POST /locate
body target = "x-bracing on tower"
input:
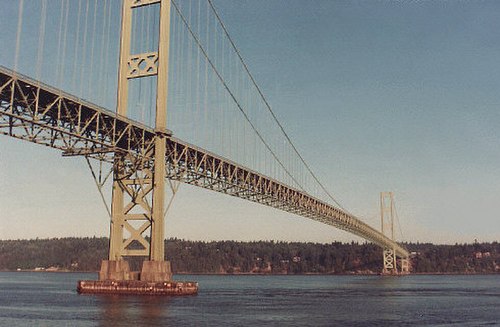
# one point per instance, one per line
(138, 200)
(138, 190)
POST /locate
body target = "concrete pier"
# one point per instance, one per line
(116, 270)
(156, 271)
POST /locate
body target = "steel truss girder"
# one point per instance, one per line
(195, 166)
(41, 114)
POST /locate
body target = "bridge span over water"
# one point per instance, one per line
(145, 156)
(38, 113)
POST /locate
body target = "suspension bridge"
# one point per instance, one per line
(222, 134)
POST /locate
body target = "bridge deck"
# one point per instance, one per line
(38, 113)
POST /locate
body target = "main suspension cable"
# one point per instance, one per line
(269, 107)
(232, 95)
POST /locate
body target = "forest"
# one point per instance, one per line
(259, 257)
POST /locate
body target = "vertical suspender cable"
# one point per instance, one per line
(106, 57)
(189, 72)
(101, 55)
(41, 40)
(59, 40)
(229, 116)
(229, 111)
(177, 76)
(397, 219)
(222, 102)
(18, 34)
(64, 39)
(91, 74)
(197, 81)
(238, 125)
(255, 152)
(215, 46)
(207, 133)
(77, 40)
(172, 69)
(181, 72)
(245, 141)
(84, 49)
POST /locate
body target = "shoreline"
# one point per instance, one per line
(266, 274)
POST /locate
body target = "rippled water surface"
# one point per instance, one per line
(49, 299)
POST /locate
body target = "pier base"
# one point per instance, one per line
(116, 270)
(155, 278)
(136, 287)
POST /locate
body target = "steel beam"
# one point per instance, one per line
(38, 113)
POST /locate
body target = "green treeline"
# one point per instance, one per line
(85, 254)
(272, 257)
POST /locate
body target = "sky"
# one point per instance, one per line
(398, 96)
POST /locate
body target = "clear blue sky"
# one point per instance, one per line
(377, 95)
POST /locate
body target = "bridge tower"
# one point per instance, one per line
(137, 208)
(387, 225)
(387, 215)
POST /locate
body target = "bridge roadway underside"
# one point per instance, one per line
(32, 111)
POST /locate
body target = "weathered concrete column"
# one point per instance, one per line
(156, 271)
(115, 270)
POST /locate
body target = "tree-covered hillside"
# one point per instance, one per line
(85, 254)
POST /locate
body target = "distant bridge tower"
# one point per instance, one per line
(387, 225)
(137, 208)
(387, 215)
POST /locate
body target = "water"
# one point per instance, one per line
(49, 299)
